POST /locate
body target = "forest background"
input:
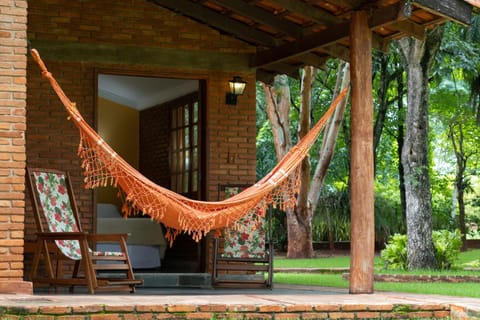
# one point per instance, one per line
(453, 133)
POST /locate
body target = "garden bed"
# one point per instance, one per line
(419, 278)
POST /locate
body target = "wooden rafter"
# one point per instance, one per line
(306, 10)
(327, 37)
(219, 21)
(410, 28)
(296, 32)
(262, 16)
(457, 10)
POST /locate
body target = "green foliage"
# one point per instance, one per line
(454, 99)
(394, 256)
(336, 204)
(447, 246)
(388, 212)
(340, 228)
(279, 230)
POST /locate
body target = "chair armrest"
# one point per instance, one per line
(62, 235)
(107, 237)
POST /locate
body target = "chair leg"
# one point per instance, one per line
(36, 260)
(76, 268)
(90, 275)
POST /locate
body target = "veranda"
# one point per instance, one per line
(208, 42)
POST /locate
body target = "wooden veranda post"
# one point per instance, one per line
(361, 166)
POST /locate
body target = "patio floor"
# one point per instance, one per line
(283, 302)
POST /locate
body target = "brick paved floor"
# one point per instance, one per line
(295, 302)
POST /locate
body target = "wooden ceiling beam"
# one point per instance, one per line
(350, 4)
(380, 43)
(218, 21)
(457, 10)
(265, 76)
(263, 17)
(425, 26)
(311, 59)
(283, 68)
(315, 14)
(410, 28)
(378, 18)
(305, 45)
(337, 51)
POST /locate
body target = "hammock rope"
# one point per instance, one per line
(102, 166)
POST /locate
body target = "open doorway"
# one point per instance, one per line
(155, 124)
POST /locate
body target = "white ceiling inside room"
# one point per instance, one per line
(142, 92)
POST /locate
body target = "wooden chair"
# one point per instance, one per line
(60, 238)
(244, 257)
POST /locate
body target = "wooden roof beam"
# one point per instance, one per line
(311, 59)
(338, 51)
(457, 10)
(378, 18)
(305, 45)
(283, 68)
(306, 10)
(218, 21)
(263, 17)
(265, 76)
(410, 28)
(350, 4)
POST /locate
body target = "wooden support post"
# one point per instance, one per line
(361, 170)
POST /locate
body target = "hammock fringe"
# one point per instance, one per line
(103, 167)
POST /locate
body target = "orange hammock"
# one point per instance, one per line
(102, 167)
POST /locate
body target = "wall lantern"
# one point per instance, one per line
(237, 85)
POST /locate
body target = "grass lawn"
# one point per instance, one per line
(465, 289)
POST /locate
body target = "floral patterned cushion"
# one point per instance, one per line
(55, 201)
(248, 239)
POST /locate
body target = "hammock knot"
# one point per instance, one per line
(46, 74)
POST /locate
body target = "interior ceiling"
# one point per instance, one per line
(289, 34)
(142, 92)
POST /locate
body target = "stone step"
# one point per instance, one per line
(174, 280)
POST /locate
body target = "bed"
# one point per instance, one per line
(146, 242)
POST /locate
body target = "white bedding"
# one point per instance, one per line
(146, 243)
(141, 256)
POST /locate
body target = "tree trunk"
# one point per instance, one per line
(325, 154)
(385, 79)
(418, 57)
(299, 221)
(278, 111)
(400, 142)
(460, 183)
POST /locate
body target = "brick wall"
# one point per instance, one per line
(154, 144)
(231, 136)
(52, 141)
(13, 16)
(267, 311)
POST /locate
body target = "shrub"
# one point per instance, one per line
(394, 256)
(447, 246)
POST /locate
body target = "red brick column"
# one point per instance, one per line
(13, 92)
